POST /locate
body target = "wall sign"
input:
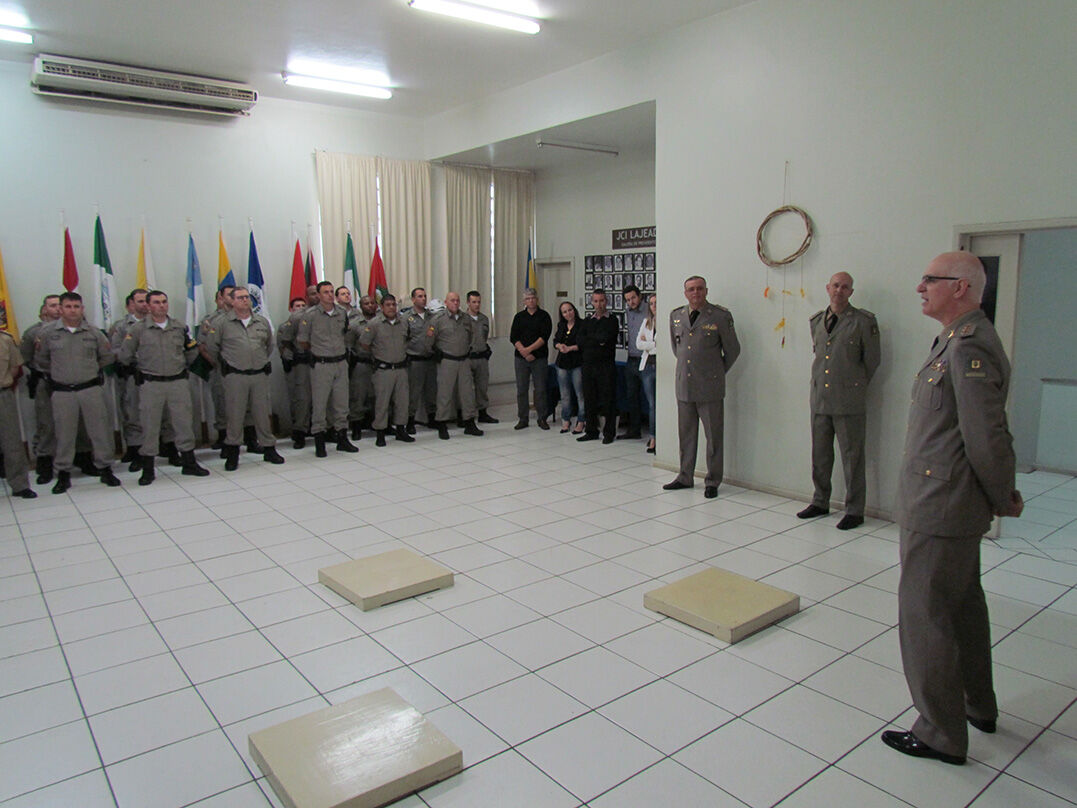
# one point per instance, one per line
(630, 238)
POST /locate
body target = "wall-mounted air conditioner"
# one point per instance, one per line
(63, 77)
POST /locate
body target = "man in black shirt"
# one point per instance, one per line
(530, 334)
(598, 344)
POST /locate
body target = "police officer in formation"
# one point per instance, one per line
(422, 370)
(449, 337)
(73, 355)
(240, 343)
(296, 366)
(15, 466)
(216, 385)
(126, 389)
(845, 341)
(361, 373)
(479, 356)
(44, 442)
(322, 330)
(386, 337)
(158, 351)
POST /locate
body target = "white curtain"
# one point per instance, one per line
(347, 200)
(467, 202)
(514, 213)
(406, 224)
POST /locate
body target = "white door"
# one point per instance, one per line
(557, 283)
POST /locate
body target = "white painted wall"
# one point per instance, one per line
(898, 120)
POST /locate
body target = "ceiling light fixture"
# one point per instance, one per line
(589, 147)
(473, 13)
(347, 87)
(11, 35)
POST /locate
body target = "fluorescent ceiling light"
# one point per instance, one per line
(11, 35)
(473, 13)
(347, 87)
(339, 72)
(9, 18)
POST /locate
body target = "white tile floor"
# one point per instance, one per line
(144, 632)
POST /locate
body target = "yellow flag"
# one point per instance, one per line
(224, 267)
(7, 308)
(145, 277)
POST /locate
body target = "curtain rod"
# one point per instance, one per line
(477, 165)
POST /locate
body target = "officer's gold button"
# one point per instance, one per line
(828, 356)
(826, 371)
(826, 385)
(927, 472)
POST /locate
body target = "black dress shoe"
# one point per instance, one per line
(811, 512)
(28, 493)
(607, 439)
(542, 423)
(630, 436)
(63, 482)
(108, 478)
(909, 744)
(271, 455)
(676, 485)
(521, 425)
(848, 522)
(486, 418)
(710, 492)
(586, 436)
(988, 725)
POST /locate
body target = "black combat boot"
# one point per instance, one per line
(108, 478)
(44, 469)
(250, 439)
(411, 426)
(191, 467)
(443, 431)
(135, 459)
(381, 438)
(471, 429)
(148, 474)
(486, 418)
(231, 457)
(343, 444)
(271, 455)
(170, 451)
(357, 430)
(319, 445)
(402, 435)
(63, 482)
(299, 438)
(84, 463)
(219, 443)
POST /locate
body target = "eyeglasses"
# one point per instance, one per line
(932, 278)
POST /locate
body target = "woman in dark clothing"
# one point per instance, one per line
(569, 370)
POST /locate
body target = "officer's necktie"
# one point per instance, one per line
(692, 317)
(831, 320)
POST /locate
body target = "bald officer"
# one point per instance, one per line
(450, 335)
(845, 341)
(706, 347)
(958, 471)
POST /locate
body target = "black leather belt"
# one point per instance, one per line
(141, 377)
(227, 370)
(413, 358)
(328, 360)
(480, 354)
(455, 358)
(56, 387)
(391, 365)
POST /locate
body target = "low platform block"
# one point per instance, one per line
(722, 603)
(363, 753)
(384, 578)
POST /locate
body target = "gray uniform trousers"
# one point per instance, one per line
(850, 431)
(480, 378)
(44, 431)
(422, 387)
(93, 407)
(247, 393)
(361, 391)
(390, 385)
(299, 395)
(130, 412)
(712, 414)
(15, 464)
(455, 382)
(945, 637)
(154, 400)
(216, 391)
(328, 396)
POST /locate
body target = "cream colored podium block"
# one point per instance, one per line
(362, 753)
(722, 603)
(379, 579)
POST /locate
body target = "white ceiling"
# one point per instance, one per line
(433, 63)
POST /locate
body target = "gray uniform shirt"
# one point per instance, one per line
(28, 343)
(157, 350)
(417, 325)
(959, 466)
(386, 340)
(241, 347)
(72, 357)
(845, 360)
(480, 332)
(325, 331)
(119, 330)
(705, 351)
(356, 325)
(450, 334)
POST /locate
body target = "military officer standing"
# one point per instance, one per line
(479, 356)
(706, 346)
(386, 338)
(323, 330)
(958, 471)
(240, 343)
(160, 349)
(845, 341)
(361, 372)
(44, 444)
(450, 335)
(72, 354)
(422, 370)
(216, 384)
(15, 466)
(296, 366)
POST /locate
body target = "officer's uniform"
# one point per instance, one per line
(451, 336)
(160, 355)
(705, 351)
(361, 375)
(73, 361)
(242, 353)
(958, 469)
(297, 366)
(422, 369)
(15, 464)
(326, 334)
(479, 359)
(44, 443)
(216, 382)
(387, 342)
(126, 389)
(846, 357)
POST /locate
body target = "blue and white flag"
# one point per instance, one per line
(196, 300)
(256, 283)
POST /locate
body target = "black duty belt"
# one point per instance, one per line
(56, 387)
(480, 354)
(414, 358)
(227, 370)
(328, 360)
(363, 360)
(390, 365)
(141, 377)
(460, 358)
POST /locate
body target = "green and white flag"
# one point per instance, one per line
(351, 271)
(103, 306)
